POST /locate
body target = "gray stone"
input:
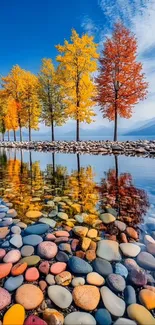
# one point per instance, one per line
(109, 250)
(60, 296)
(16, 241)
(12, 283)
(27, 250)
(79, 318)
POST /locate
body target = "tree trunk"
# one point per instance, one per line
(116, 117)
(2, 136)
(30, 136)
(77, 130)
(116, 184)
(20, 130)
(8, 135)
(52, 129)
(78, 162)
(29, 126)
(14, 133)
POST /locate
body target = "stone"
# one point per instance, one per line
(80, 231)
(53, 317)
(120, 225)
(61, 233)
(29, 296)
(102, 316)
(5, 298)
(5, 244)
(44, 267)
(58, 267)
(12, 213)
(131, 264)
(2, 253)
(4, 231)
(65, 248)
(62, 257)
(146, 261)
(79, 218)
(50, 237)
(130, 295)
(109, 250)
(147, 298)
(102, 267)
(80, 318)
(86, 297)
(121, 270)
(140, 314)
(80, 254)
(78, 281)
(48, 221)
(31, 274)
(151, 248)
(16, 241)
(60, 296)
(78, 265)
(115, 305)
(116, 282)
(19, 268)
(129, 249)
(131, 232)
(124, 321)
(62, 215)
(42, 285)
(16, 230)
(32, 240)
(33, 214)
(107, 218)
(5, 269)
(37, 229)
(90, 255)
(148, 239)
(34, 320)
(21, 225)
(138, 277)
(123, 238)
(92, 233)
(12, 283)
(50, 279)
(59, 240)
(27, 250)
(12, 256)
(14, 315)
(30, 260)
(111, 210)
(85, 243)
(64, 278)
(95, 279)
(47, 249)
(6, 222)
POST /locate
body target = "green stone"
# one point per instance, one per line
(31, 260)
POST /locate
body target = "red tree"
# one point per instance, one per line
(121, 83)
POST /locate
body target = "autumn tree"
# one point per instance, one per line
(77, 62)
(2, 113)
(11, 117)
(121, 83)
(50, 95)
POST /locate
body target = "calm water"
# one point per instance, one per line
(127, 183)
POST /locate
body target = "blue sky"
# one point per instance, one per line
(31, 29)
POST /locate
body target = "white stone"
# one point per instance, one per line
(129, 249)
(109, 250)
(79, 318)
(60, 296)
(115, 305)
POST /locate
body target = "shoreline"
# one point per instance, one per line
(139, 147)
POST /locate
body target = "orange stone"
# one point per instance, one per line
(147, 298)
(80, 254)
(4, 231)
(19, 268)
(32, 274)
(131, 232)
(90, 255)
(123, 238)
(86, 297)
(5, 269)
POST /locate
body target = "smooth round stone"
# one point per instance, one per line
(62, 215)
(62, 257)
(6, 222)
(16, 230)
(92, 233)
(44, 267)
(3, 208)
(86, 297)
(42, 285)
(48, 221)
(108, 250)
(130, 295)
(5, 298)
(60, 296)
(27, 250)
(33, 214)
(78, 281)
(95, 279)
(12, 256)
(29, 296)
(80, 318)
(114, 304)
(12, 213)
(34, 320)
(12, 283)
(4, 231)
(78, 265)
(151, 248)
(148, 239)
(129, 249)
(16, 241)
(2, 253)
(146, 261)
(131, 264)
(116, 282)
(30, 260)
(65, 248)
(50, 279)
(131, 232)
(121, 270)
(47, 249)
(31, 274)
(79, 218)
(50, 203)
(147, 298)
(38, 229)
(21, 225)
(120, 225)
(58, 267)
(5, 269)
(18, 268)
(102, 316)
(32, 240)
(140, 314)
(107, 218)
(14, 315)
(124, 321)
(102, 267)
(50, 237)
(138, 277)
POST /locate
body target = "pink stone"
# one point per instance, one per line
(5, 298)
(44, 267)
(31, 274)
(50, 237)
(58, 267)
(61, 240)
(74, 244)
(47, 249)
(34, 320)
(42, 285)
(12, 256)
(61, 233)
(2, 253)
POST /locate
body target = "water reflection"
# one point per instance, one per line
(26, 183)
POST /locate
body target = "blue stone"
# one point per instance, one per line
(32, 240)
(121, 270)
(103, 317)
(102, 267)
(5, 244)
(78, 265)
(12, 283)
(62, 257)
(130, 295)
(37, 229)
(3, 208)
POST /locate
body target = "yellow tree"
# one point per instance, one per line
(2, 113)
(30, 101)
(13, 86)
(11, 117)
(50, 95)
(77, 63)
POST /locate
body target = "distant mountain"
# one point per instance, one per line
(147, 129)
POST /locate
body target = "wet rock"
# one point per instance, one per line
(151, 248)
(102, 267)
(131, 232)
(16, 230)
(146, 261)
(65, 248)
(78, 265)
(62, 215)
(120, 225)
(61, 233)
(90, 255)
(48, 221)
(60, 296)
(92, 233)
(50, 279)
(130, 295)
(109, 250)
(114, 304)
(2, 253)
(62, 257)
(63, 278)
(102, 316)
(42, 285)
(131, 264)
(44, 267)
(37, 229)
(4, 231)
(124, 321)
(85, 243)
(86, 297)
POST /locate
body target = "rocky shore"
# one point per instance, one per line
(141, 147)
